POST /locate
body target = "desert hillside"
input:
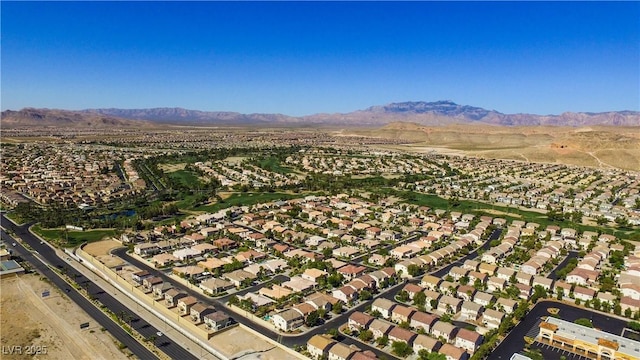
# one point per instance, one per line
(595, 146)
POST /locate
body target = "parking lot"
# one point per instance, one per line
(514, 342)
(550, 352)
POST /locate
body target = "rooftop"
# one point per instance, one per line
(573, 331)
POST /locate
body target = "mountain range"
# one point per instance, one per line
(425, 113)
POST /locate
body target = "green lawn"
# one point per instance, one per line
(273, 164)
(186, 178)
(480, 208)
(242, 199)
(186, 202)
(74, 237)
(15, 217)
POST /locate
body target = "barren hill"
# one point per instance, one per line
(181, 116)
(438, 113)
(64, 118)
(595, 146)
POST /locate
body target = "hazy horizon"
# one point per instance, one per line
(300, 58)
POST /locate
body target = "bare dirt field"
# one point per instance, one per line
(51, 324)
(233, 343)
(224, 194)
(169, 168)
(235, 160)
(500, 213)
(594, 146)
(100, 250)
(126, 272)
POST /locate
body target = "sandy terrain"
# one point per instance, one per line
(52, 322)
(595, 146)
(235, 160)
(233, 343)
(224, 194)
(100, 250)
(500, 213)
(126, 273)
(169, 168)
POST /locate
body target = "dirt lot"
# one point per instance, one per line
(100, 250)
(594, 146)
(52, 322)
(500, 213)
(169, 168)
(224, 194)
(126, 272)
(233, 343)
(235, 160)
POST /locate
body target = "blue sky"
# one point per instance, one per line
(301, 58)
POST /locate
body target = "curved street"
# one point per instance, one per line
(285, 339)
(169, 347)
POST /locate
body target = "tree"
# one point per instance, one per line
(335, 279)
(420, 299)
(337, 307)
(365, 295)
(322, 312)
(313, 319)
(401, 348)
(622, 221)
(433, 303)
(584, 322)
(383, 341)
(628, 312)
(365, 335)
(634, 325)
(576, 217)
(413, 269)
(538, 292)
(426, 355)
(333, 332)
(445, 318)
(403, 296)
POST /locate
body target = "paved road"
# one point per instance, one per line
(136, 348)
(278, 278)
(167, 346)
(472, 255)
(287, 340)
(514, 342)
(122, 253)
(570, 255)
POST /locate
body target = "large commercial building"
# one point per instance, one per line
(588, 342)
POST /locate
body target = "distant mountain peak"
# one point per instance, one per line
(442, 112)
(442, 108)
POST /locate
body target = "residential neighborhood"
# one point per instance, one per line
(399, 272)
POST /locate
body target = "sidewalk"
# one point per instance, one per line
(167, 330)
